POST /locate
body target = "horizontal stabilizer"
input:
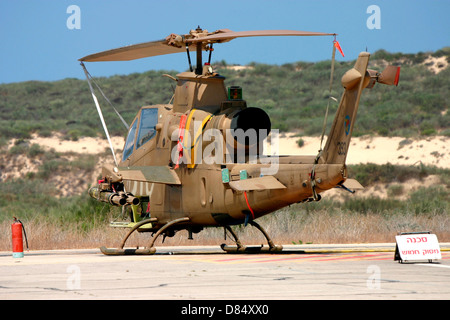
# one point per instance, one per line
(353, 184)
(261, 183)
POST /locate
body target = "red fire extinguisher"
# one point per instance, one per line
(17, 239)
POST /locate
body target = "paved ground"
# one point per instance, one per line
(206, 273)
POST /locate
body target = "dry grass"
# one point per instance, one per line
(349, 227)
(284, 226)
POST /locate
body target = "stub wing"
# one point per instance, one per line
(152, 174)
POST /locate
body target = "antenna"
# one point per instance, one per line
(99, 113)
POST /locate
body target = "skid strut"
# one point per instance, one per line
(147, 250)
(239, 248)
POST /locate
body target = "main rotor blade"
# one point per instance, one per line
(175, 43)
(135, 51)
(226, 35)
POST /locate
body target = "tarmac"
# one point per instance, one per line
(189, 274)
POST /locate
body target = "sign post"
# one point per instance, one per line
(414, 246)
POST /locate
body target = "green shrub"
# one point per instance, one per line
(35, 150)
(294, 95)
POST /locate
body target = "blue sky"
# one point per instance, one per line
(36, 43)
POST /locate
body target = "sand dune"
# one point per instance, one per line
(86, 145)
(433, 151)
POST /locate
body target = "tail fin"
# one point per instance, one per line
(354, 81)
(338, 141)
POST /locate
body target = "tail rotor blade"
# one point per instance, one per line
(390, 76)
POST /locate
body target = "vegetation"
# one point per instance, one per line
(79, 221)
(295, 96)
(368, 174)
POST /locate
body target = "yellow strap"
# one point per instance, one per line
(192, 147)
(197, 136)
(188, 123)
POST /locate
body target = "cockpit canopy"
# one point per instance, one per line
(141, 131)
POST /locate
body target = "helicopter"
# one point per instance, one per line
(199, 161)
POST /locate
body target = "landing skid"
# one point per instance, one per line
(251, 249)
(124, 252)
(145, 251)
(239, 248)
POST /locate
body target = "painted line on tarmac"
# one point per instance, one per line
(300, 258)
(274, 258)
(433, 265)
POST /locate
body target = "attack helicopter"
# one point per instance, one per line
(200, 162)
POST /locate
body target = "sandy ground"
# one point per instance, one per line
(85, 145)
(436, 65)
(433, 151)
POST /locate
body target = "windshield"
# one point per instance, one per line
(149, 119)
(128, 149)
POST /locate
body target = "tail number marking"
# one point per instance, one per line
(342, 148)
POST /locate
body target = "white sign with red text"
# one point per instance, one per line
(418, 246)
